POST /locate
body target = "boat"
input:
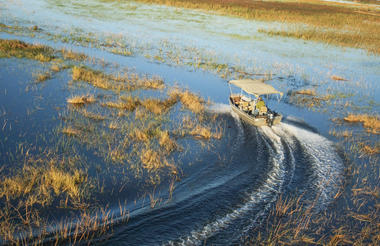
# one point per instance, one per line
(254, 111)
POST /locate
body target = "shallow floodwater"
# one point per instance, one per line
(223, 192)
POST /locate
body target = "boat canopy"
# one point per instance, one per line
(255, 87)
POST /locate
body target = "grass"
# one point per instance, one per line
(152, 160)
(335, 77)
(93, 116)
(307, 92)
(41, 77)
(70, 55)
(372, 123)
(188, 99)
(167, 142)
(369, 150)
(70, 131)
(130, 106)
(309, 98)
(345, 133)
(338, 25)
(19, 49)
(158, 106)
(141, 145)
(81, 100)
(125, 82)
(41, 182)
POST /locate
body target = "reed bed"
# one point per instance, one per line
(188, 99)
(124, 82)
(19, 49)
(309, 98)
(81, 100)
(41, 77)
(74, 56)
(371, 123)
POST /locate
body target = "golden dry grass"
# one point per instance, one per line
(140, 135)
(158, 106)
(201, 132)
(126, 82)
(113, 125)
(19, 49)
(96, 78)
(41, 77)
(154, 83)
(345, 133)
(70, 131)
(188, 99)
(335, 77)
(55, 68)
(81, 100)
(307, 92)
(339, 25)
(37, 182)
(92, 116)
(152, 160)
(70, 55)
(369, 150)
(372, 123)
(120, 105)
(167, 142)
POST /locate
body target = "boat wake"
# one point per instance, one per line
(284, 143)
(220, 204)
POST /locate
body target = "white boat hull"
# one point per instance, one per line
(256, 120)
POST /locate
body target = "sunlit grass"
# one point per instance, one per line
(188, 99)
(70, 131)
(81, 100)
(41, 77)
(307, 92)
(19, 49)
(339, 25)
(70, 55)
(124, 82)
(372, 123)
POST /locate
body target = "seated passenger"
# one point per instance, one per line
(260, 103)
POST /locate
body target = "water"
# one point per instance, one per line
(226, 189)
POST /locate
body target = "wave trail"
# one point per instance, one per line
(267, 193)
(326, 164)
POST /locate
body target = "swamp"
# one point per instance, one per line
(115, 127)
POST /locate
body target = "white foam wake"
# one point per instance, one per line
(273, 184)
(326, 163)
(220, 108)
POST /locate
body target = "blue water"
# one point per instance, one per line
(227, 189)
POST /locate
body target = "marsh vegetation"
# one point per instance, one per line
(310, 20)
(88, 142)
(133, 136)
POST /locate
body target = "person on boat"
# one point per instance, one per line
(261, 109)
(260, 103)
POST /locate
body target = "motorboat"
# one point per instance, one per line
(254, 110)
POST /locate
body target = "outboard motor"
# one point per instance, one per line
(270, 119)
